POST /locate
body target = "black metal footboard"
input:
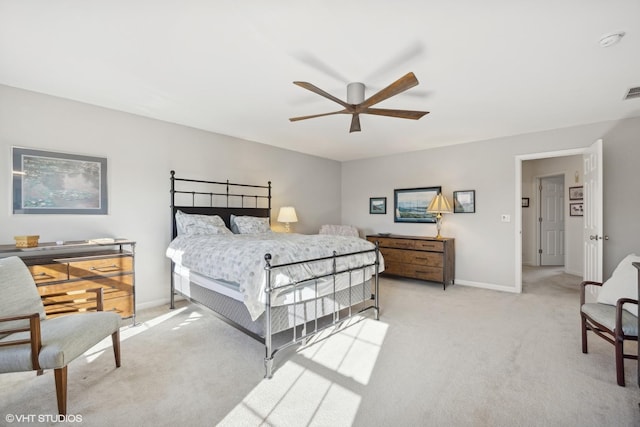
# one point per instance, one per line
(319, 321)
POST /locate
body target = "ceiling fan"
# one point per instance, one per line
(356, 104)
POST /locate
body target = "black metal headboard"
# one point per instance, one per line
(218, 198)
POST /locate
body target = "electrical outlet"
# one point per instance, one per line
(505, 218)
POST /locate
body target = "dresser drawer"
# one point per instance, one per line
(413, 257)
(100, 267)
(123, 283)
(44, 273)
(432, 274)
(79, 300)
(420, 245)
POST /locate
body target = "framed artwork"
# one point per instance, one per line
(464, 201)
(575, 193)
(410, 204)
(576, 209)
(46, 182)
(525, 202)
(377, 205)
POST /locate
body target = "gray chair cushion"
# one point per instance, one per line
(605, 314)
(19, 292)
(63, 339)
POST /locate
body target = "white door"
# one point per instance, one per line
(551, 219)
(593, 234)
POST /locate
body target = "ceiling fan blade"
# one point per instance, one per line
(402, 114)
(320, 92)
(405, 82)
(295, 119)
(355, 123)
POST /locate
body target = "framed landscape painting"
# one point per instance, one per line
(410, 204)
(377, 205)
(46, 182)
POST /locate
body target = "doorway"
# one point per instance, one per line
(528, 238)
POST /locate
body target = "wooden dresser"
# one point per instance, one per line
(64, 272)
(418, 257)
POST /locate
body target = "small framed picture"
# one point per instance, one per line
(525, 202)
(377, 205)
(464, 201)
(575, 193)
(576, 209)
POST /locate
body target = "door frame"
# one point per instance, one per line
(518, 200)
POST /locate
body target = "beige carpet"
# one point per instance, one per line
(460, 357)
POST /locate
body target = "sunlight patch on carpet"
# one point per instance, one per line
(301, 395)
(127, 332)
(352, 352)
(296, 396)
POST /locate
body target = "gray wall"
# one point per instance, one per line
(140, 154)
(485, 246)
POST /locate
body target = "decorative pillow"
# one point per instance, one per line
(252, 224)
(623, 283)
(200, 224)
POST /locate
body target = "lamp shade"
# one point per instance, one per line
(287, 214)
(439, 204)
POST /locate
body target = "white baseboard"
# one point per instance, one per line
(489, 286)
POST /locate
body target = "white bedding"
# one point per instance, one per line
(239, 258)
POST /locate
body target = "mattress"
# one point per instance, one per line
(302, 291)
(240, 258)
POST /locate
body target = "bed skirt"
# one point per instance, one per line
(284, 317)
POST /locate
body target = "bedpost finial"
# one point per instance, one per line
(173, 173)
(267, 258)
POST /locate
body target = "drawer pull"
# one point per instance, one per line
(109, 267)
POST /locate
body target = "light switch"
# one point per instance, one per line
(505, 218)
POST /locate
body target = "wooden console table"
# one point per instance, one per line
(418, 257)
(64, 272)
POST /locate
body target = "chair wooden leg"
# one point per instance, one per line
(61, 389)
(584, 334)
(115, 338)
(620, 360)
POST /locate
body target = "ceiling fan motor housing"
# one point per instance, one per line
(355, 93)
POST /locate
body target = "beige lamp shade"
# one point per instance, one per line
(439, 204)
(287, 215)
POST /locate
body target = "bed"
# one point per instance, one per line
(279, 288)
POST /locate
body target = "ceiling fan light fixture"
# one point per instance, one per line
(611, 38)
(355, 93)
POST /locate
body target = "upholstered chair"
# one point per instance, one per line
(30, 341)
(613, 316)
(339, 230)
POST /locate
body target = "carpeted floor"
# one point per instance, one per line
(460, 357)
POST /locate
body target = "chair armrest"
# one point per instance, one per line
(35, 338)
(619, 307)
(583, 286)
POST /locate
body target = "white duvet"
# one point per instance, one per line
(240, 258)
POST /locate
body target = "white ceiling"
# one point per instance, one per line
(486, 69)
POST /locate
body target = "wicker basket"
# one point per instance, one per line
(26, 241)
